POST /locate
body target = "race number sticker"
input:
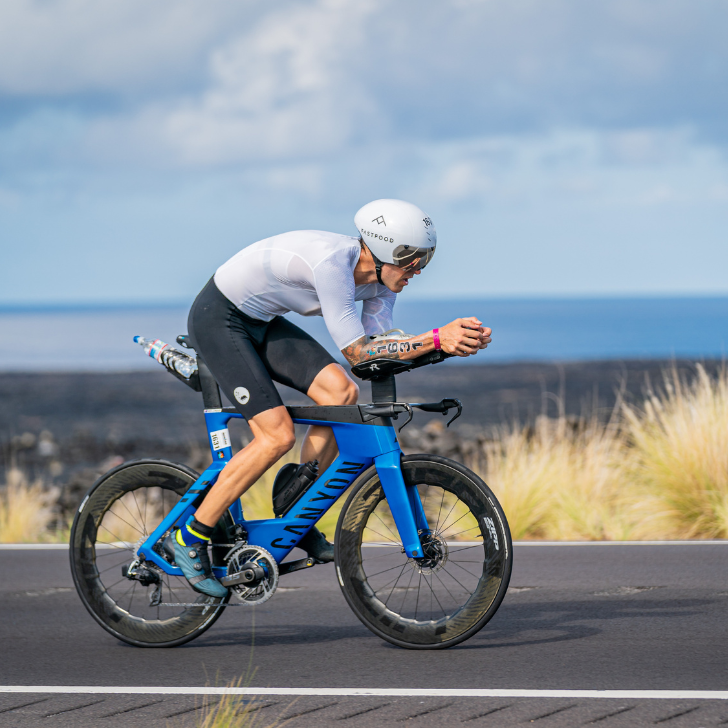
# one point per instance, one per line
(220, 439)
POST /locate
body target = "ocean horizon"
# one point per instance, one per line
(98, 337)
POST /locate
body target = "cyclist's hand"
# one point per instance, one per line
(485, 339)
(464, 336)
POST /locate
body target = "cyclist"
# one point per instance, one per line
(236, 325)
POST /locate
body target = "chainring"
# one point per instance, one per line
(237, 559)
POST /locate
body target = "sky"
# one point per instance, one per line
(562, 148)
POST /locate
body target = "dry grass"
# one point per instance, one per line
(658, 471)
(25, 510)
(679, 457)
(655, 472)
(230, 711)
(557, 481)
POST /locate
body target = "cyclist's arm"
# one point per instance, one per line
(376, 313)
(462, 337)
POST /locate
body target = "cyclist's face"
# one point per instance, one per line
(396, 278)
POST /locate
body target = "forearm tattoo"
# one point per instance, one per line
(364, 349)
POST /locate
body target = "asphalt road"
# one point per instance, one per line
(577, 617)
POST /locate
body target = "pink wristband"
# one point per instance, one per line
(436, 338)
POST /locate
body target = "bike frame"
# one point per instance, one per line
(361, 444)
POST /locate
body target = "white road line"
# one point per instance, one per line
(376, 692)
(61, 546)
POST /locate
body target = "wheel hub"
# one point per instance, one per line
(435, 553)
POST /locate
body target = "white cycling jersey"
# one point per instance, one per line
(312, 273)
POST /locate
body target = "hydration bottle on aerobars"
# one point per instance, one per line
(168, 356)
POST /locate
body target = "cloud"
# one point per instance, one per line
(134, 130)
(236, 83)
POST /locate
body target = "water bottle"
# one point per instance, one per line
(168, 356)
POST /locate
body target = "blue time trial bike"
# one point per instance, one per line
(423, 552)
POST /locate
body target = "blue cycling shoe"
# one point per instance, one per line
(195, 564)
(314, 543)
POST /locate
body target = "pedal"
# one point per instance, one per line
(290, 566)
(248, 575)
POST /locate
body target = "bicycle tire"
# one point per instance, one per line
(373, 602)
(96, 519)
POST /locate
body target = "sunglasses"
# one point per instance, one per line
(409, 258)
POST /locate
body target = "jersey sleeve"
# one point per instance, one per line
(334, 281)
(376, 315)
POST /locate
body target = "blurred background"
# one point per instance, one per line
(572, 156)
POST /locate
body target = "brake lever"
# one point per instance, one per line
(409, 419)
(459, 405)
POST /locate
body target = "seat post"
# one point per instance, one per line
(384, 389)
(210, 390)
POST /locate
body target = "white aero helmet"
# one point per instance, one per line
(397, 232)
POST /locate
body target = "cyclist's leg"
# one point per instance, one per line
(297, 360)
(227, 341)
(230, 344)
(332, 386)
(273, 437)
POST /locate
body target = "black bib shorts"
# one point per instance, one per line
(246, 355)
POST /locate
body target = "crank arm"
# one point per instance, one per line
(290, 566)
(248, 575)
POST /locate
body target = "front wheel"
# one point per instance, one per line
(120, 512)
(446, 597)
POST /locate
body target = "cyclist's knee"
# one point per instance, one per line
(333, 386)
(342, 391)
(350, 393)
(273, 429)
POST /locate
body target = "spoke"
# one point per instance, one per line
(452, 535)
(409, 584)
(452, 561)
(385, 545)
(432, 592)
(371, 576)
(111, 586)
(449, 593)
(452, 577)
(131, 515)
(131, 598)
(465, 548)
(120, 540)
(115, 552)
(427, 495)
(113, 566)
(439, 513)
(389, 540)
(374, 513)
(417, 603)
(460, 519)
(444, 520)
(123, 594)
(384, 586)
(131, 525)
(395, 584)
(141, 517)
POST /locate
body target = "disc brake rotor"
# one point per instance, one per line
(435, 552)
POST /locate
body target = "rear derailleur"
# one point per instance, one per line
(146, 575)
